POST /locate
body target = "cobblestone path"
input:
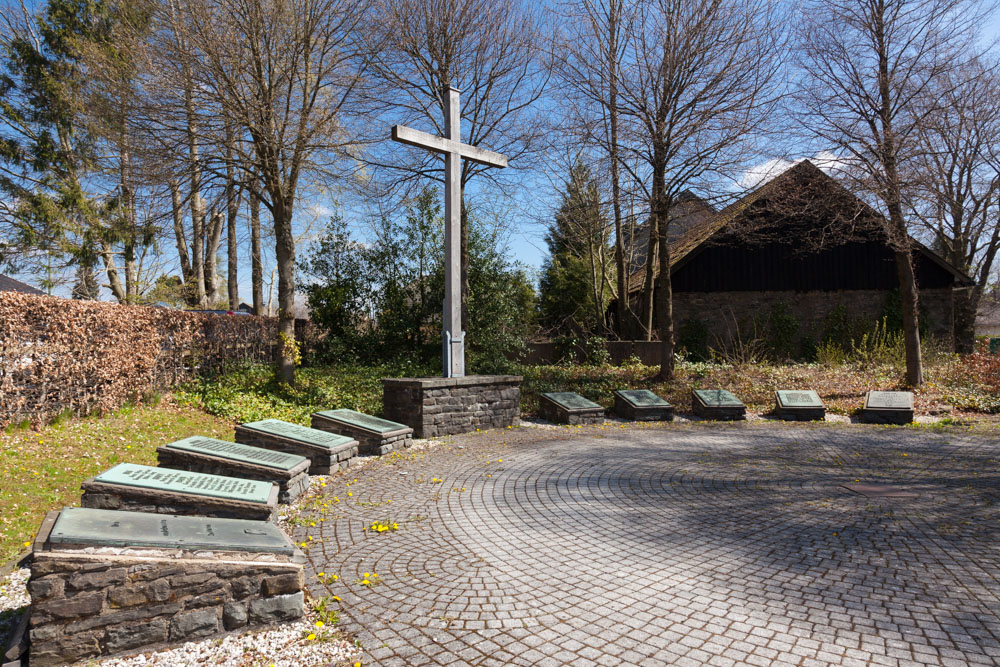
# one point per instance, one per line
(670, 545)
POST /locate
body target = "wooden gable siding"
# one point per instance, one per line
(779, 267)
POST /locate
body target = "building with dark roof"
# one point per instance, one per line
(8, 284)
(800, 245)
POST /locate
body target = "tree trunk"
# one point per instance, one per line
(648, 283)
(197, 207)
(114, 282)
(256, 262)
(623, 309)
(213, 237)
(232, 211)
(664, 292)
(908, 297)
(182, 253)
(285, 256)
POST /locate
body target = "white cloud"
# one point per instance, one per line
(757, 175)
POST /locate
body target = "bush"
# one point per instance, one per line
(692, 337)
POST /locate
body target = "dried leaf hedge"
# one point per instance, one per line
(85, 356)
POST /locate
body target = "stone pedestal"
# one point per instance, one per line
(642, 405)
(717, 404)
(566, 407)
(90, 600)
(888, 407)
(798, 405)
(375, 436)
(233, 459)
(138, 488)
(445, 406)
(328, 452)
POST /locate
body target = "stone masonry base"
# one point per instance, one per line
(88, 602)
(445, 406)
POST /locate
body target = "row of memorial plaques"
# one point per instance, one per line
(793, 405)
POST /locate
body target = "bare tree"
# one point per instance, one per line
(699, 83)
(866, 65)
(282, 73)
(490, 50)
(958, 180)
(588, 58)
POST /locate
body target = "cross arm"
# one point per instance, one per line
(411, 137)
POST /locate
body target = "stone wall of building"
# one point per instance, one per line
(725, 313)
(443, 406)
(85, 605)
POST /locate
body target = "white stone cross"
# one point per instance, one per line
(454, 150)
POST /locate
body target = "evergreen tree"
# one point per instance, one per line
(575, 286)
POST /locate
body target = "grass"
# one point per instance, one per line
(42, 469)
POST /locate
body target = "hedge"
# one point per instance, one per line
(59, 355)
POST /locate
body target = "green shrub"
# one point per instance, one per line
(692, 337)
(783, 328)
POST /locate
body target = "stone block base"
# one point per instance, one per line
(626, 410)
(898, 417)
(324, 460)
(91, 602)
(372, 443)
(557, 414)
(444, 406)
(102, 496)
(290, 483)
(719, 414)
(800, 414)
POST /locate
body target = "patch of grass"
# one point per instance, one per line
(252, 392)
(42, 469)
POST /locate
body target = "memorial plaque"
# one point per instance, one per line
(642, 398)
(363, 421)
(113, 528)
(718, 398)
(571, 401)
(192, 483)
(889, 400)
(238, 452)
(304, 434)
(799, 399)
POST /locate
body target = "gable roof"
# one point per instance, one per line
(696, 237)
(8, 284)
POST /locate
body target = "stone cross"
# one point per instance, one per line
(454, 150)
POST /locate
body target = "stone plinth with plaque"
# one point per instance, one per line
(328, 452)
(888, 407)
(139, 488)
(107, 582)
(232, 459)
(567, 407)
(798, 405)
(445, 406)
(642, 405)
(717, 404)
(376, 436)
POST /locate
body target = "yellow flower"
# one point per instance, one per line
(27, 544)
(321, 574)
(350, 493)
(335, 577)
(365, 582)
(357, 664)
(319, 624)
(336, 598)
(310, 538)
(499, 460)
(311, 636)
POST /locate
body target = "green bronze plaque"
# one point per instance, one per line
(889, 400)
(181, 481)
(718, 398)
(799, 399)
(113, 528)
(361, 420)
(643, 398)
(310, 436)
(571, 401)
(235, 451)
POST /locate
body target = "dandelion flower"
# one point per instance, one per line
(311, 636)
(320, 624)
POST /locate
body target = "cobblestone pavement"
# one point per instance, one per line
(670, 544)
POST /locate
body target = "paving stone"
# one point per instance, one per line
(673, 544)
